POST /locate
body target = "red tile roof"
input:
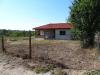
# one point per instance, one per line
(55, 26)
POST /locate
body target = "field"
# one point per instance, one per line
(62, 53)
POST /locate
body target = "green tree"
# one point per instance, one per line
(85, 16)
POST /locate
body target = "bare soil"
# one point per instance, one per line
(62, 53)
(14, 66)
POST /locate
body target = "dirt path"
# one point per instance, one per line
(14, 66)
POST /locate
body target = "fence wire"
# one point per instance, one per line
(59, 52)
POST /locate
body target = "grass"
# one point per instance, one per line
(40, 69)
(53, 42)
(50, 67)
(58, 71)
(43, 69)
(94, 72)
(40, 42)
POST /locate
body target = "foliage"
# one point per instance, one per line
(95, 72)
(85, 16)
(15, 33)
(75, 34)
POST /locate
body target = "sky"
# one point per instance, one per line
(27, 14)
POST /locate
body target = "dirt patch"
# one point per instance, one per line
(10, 65)
(58, 52)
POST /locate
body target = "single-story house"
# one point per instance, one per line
(54, 31)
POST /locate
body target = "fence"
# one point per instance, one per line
(40, 50)
(27, 47)
(59, 52)
(9, 44)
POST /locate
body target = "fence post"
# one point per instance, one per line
(98, 40)
(30, 49)
(3, 46)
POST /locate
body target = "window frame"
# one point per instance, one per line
(62, 32)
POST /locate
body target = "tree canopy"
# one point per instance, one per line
(85, 16)
(15, 33)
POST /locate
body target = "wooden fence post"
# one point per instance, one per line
(3, 46)
(30, 48)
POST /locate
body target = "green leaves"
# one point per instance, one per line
(85, 16)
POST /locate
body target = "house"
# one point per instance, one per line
(54, 31)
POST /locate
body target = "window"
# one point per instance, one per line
(62, 32)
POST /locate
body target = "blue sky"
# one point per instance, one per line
(27, 14)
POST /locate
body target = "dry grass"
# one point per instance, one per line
(63, 52)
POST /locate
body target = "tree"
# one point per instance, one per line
(75, 34)
(85, 16)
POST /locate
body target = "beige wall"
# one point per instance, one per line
(50, 33)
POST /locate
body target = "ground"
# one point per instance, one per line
(17, 66)
(14, 66)
(62, 53)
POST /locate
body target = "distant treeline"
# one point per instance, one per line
(15, 33)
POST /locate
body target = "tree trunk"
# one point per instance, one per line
(87, 40)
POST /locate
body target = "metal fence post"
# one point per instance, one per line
(30, 48)
(2, 41)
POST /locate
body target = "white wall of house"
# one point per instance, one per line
(63, 34)
(41, 32)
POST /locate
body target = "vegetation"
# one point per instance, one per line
(58, 72)
(95, 72)
(15, 33)
(85, 16)
(75, 34)
(43, 69)
(39, 70)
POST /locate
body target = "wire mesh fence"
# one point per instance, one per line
(20, 46)
(60, 52)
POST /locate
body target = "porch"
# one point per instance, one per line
(46, 34)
